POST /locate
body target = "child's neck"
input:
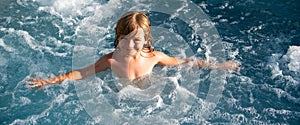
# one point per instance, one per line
(132, 57)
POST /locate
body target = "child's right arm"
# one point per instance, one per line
(101, 65)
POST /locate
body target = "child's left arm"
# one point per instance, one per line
(165, 60)
(229, 65)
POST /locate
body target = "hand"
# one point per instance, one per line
(36, 82)
(231, 65)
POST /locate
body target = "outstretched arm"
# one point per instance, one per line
(101, 65)
(229, 65)
(165, 60)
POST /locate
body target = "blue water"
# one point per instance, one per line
(40, 38)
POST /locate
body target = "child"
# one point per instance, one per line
(134, 56)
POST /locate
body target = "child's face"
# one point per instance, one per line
(132, 43)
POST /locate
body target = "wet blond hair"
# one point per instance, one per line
(131, 21)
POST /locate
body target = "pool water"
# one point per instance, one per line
(45, 38)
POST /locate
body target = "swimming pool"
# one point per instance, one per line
(45, 38)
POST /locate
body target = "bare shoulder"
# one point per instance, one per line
(159, 54)
(109, 55)
(166, 60)
(106, 58)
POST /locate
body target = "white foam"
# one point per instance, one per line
(58, 45)
(37, 45)
(231, 118)
(71, 6)
(23, 3)
(6, 48)
(25, 100)
(280, 112)
(293, 55)
(274, 65)
(32, 119)
(68, 10)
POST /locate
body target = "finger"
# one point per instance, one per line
(30, 86)
(33, 84)
(29, 83)
(36, 79)
(235, 66)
